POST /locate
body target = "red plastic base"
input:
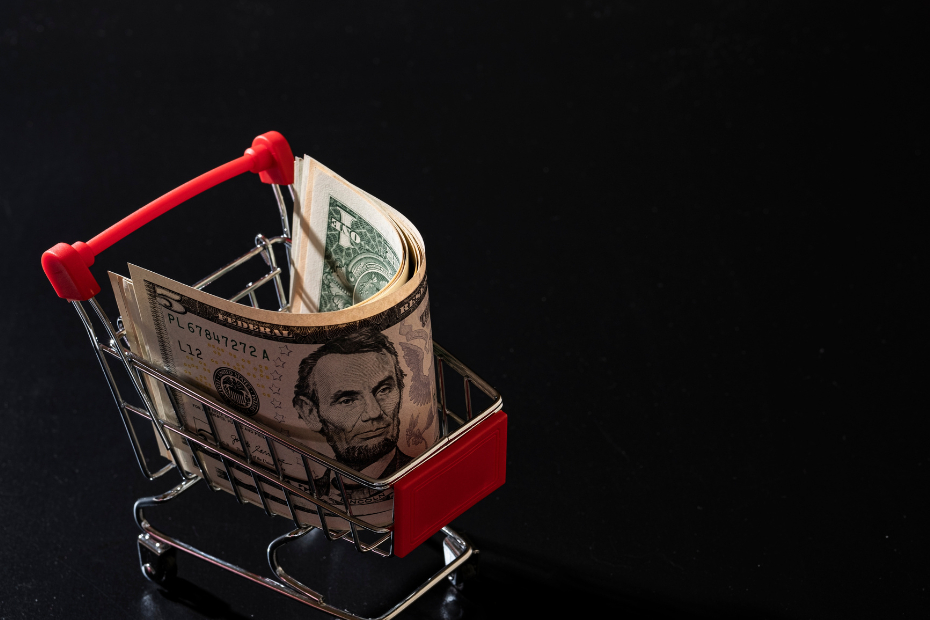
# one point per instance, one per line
(432, 495)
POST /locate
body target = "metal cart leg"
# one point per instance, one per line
(453, 546)
(159, 562)
(456, 551)
(157, 558)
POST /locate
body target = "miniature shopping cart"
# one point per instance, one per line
(465, 465)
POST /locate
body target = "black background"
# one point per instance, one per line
(681, 238)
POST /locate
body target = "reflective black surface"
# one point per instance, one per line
(682, 239)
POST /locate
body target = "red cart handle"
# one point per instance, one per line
(67, 265)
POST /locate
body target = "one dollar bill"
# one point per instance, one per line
(346, 248)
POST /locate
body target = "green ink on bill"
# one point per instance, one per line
(358, 260)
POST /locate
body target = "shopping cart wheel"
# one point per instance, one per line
(158, 561)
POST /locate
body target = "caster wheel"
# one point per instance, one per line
(163, 570)
(159, 563)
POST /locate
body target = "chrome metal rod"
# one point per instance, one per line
(372, 483)
(229, 473)
(265, 279)
(467, 398)
(114, 391)
(270, 477)
(273, 263)
(216, 275)
(137, 382)
(442, 394)
(321, 513)
(465, 552)
(282, 211)
(264, 581)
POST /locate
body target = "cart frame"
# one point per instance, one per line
(157, 550)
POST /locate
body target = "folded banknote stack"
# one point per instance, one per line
(347, 370)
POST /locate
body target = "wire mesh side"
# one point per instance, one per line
(199, 447)
(114, 348)
(378, 537)
(363, 534)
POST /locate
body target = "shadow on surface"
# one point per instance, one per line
(511, 584)
(505, 584)
(199, 600)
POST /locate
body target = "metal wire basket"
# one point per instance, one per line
(466, 464)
